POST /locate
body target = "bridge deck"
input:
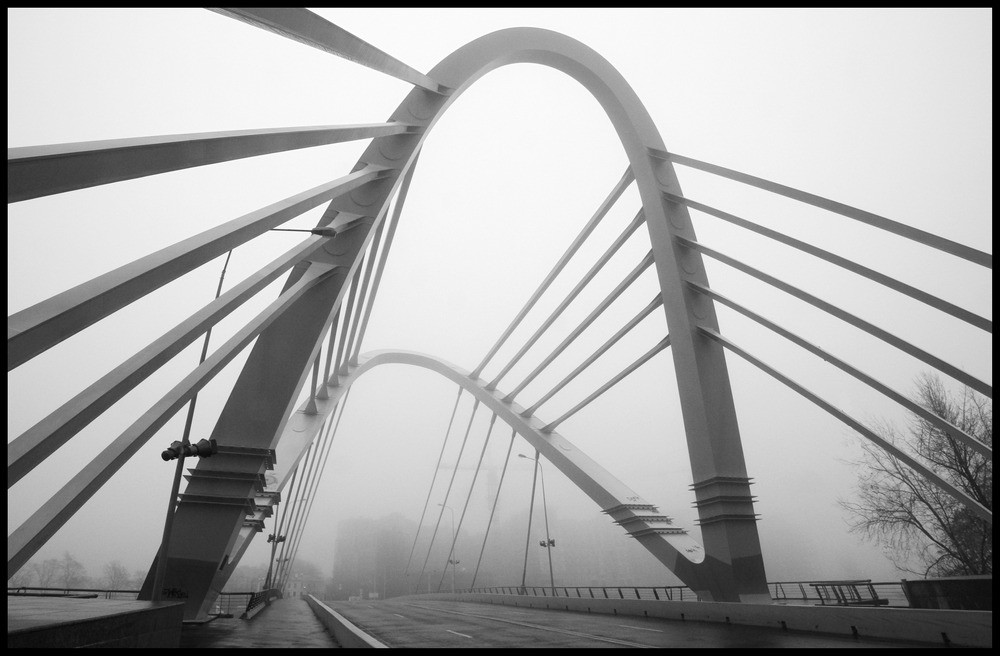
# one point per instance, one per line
(285, 623)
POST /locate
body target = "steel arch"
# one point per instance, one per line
(204, 541)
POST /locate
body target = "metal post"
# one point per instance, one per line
(549, 544)
(451, 554)
(168, 523)
(274, 539)
(527, 538)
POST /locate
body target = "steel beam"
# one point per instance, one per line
(873, 330)
(40, 441)
(896, 228)
(595, 220)
(36, 171)
(589, 319)
(42, 326)
(579, 287)
(908, 290)
(43, 523)
(971, 504)
(917, 409)
(306, 27)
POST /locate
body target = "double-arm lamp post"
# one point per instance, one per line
(549, 543)
(273, 539)
(451, 554)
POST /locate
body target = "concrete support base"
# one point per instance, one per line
(65, 622)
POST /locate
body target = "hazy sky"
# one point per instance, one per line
(882, 109)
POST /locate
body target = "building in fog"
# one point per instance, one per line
(369, 558)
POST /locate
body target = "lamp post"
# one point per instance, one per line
(273, 539)
(451, 554)
(549, 543)
(179, 450)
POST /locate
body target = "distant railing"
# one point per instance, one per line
(801, 592)
(258, 599)
(806, 592)
(232, 604)
(27, 591)
(660, 593)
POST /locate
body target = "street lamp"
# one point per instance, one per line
(549, 543)
(273, 539)
(451, 554)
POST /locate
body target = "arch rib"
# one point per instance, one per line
(261, 406)
(670, 544)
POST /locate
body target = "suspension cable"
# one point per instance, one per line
(465, 507)
(161, 563)
(369, 265)
(496, 500)
(645, 312)
(908, 232)
(430, 489)
(331, 433)
(594, 270)
(873, 330)
(331, 378)
(908, 290)
(347, 320)
(448, 491)
(390, 233)
(664, 343)
(595, 313)
(619, 188)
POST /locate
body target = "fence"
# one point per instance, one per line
(93, 593)
(236, 603)
(662, 593)
(799, 592)
(804, 592)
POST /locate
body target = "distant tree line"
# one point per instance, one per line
(68, 573)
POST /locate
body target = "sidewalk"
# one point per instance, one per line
(287, 623)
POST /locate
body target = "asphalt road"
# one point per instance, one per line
(448, 624)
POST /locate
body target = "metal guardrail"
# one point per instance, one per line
(238, 603)
(782, 591)
(658, 593)
(805, 592)
(231, 604)
(27, 591)
(228, 603)
(258, 599)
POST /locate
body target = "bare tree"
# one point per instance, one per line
(46, 572)
(912, 517)
(22, 578)
(70, 571)
(116, 576)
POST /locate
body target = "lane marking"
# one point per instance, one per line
(638, 628)
(459, 634)
(398, 615)
(550, 629)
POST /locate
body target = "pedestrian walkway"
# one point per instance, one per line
(285, 623)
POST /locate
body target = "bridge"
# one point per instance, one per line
(624, 301)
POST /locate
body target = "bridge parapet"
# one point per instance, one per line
(932, 627)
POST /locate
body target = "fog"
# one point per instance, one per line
(886, 110)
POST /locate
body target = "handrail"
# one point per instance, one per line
(888, 593)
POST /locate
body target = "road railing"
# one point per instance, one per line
(888, 593)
